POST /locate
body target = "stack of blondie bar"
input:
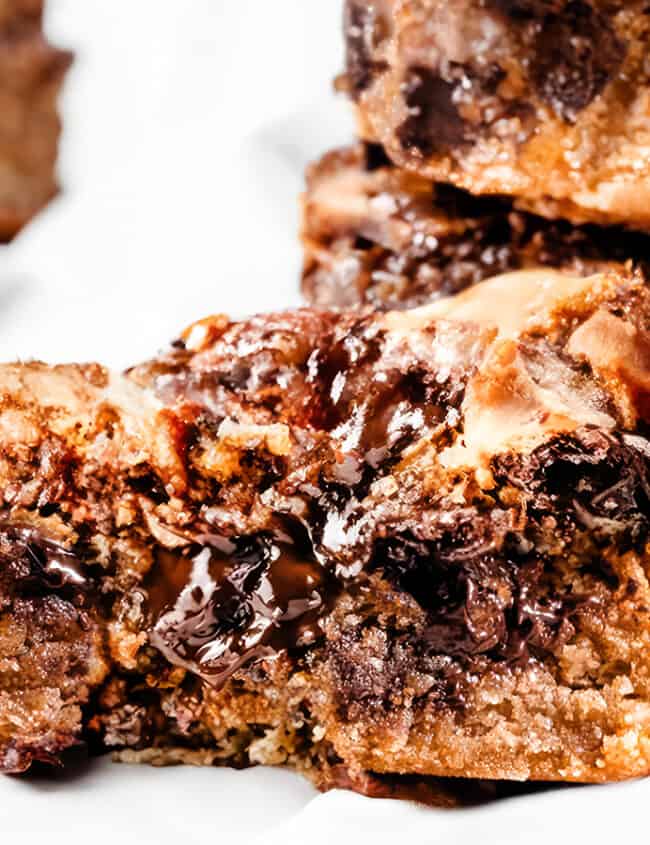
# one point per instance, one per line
(398, 539)
(496, 135)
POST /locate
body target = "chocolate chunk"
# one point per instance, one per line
(376, 157)
(434, 99)
(483, 597)
(476, 578)
(385, 406)
(577, 52)
(434, 124)
(595, 483)
(36, 562)
(215, 609)
(364, 29)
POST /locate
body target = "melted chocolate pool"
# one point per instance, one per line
(215, 608)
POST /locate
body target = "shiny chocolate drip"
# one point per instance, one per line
(217, 607)
(45, 560)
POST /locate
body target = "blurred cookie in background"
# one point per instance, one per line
(31, 75)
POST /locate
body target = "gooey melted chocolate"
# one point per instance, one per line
(40, 561)
(482, 573)
(217, 607)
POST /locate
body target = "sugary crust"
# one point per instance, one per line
(31, 75)
(446, 603)
(545, 101)
(51, 658)
(378, 235)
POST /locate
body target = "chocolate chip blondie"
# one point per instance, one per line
(544, 100)
(31, 74)
(378, 235)
(358, 543)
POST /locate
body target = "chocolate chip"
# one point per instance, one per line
(150, 485)
(483, 598)
(576, 54)
(362, 244)
(434, 124)
(364, 29)
(433, 99)
(376, 157)
(575, 49)
(475, 575)
(593, 483)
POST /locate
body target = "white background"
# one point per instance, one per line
(188, 125)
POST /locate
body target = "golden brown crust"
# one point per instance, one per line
(544, 100)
